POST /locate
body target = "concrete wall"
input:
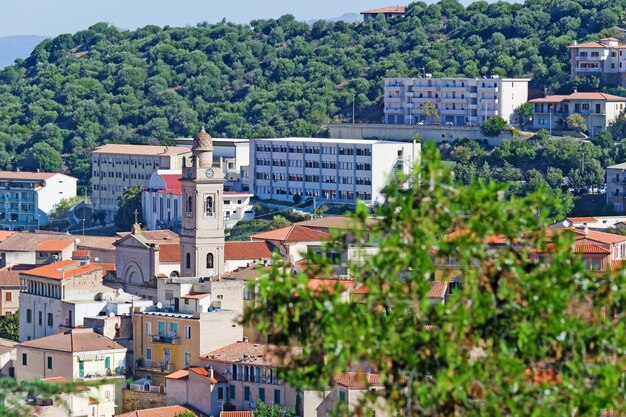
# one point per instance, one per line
(437, 134)
(139, 400)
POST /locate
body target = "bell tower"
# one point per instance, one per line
(202, 231)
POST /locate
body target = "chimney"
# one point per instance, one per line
(211, 375)
(586, 230)
(575, 90)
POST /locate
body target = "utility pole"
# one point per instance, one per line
(550, 110)
(353, 106)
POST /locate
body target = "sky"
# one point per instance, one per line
(53, 17)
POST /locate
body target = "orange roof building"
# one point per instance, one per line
(598, 110)
(293, 233)
(601, 58)
(389, 11)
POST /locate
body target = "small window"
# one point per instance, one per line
(40, 317)
(209, 261)
(231, 391)
(24, 359)
(262, 394)
(29, 316)
(187, 359)
(9, 296)
(220, 393)
(276, 396)
(50, 319)
(246, 392)
(342, 396)
(49, 362)
(187, 332)
(188, 260)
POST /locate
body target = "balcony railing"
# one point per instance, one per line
(155, 366)
(589, 58)
(588, 69)
(168, 340)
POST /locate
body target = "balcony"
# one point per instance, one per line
(453, 88)
(459, 112)
(490, 87)
(423, 87)
(454, 99)
(580, 69)
(589, 58)
(489, 100)
(166, 340)
(109, 373)
(393, 110)
(148, 365)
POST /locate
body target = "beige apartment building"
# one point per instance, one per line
(458, 101)
(597, 109)
(116, 167)
(77, 355)
(605, 58)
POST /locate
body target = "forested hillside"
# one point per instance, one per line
(272, 77)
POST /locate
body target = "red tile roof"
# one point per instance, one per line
(582, 219)
(578, 96)
(317, 284)
(9, 278)
(544, 376)
(65, 269)
(27, 176)
(388, 9)
(293, 233)
(54, 245)
(602, 237)
(590, 248)
(357, 379)
(361, 290)
(74, 340)
(172, 182)
(196, 296)
(169, 252)
(438, 289)
(246, 250)
(252, 353)
(237, 414)
(4, 234)
(203, 372)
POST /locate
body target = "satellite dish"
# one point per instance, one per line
(111, 314)
(77, 241)
(120, 291)
(159, 305)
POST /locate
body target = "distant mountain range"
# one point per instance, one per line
(346, 17)
(14, 47)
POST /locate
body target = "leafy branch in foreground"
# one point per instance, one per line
(529, 332)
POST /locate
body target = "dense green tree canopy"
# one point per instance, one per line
(530, 331)
(271, 77)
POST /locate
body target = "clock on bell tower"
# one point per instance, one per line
(202, 231)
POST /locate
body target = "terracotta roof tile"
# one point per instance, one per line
(196, 296)
(590, 248)
(172, 183)
(237, 414)
(168, 411)
(116, 148)
(74, 340)
(169, 252)
(5, 234)
(54, 245)
(544, 376)
(65, 269)
(26, 242)
(357, 379)
(582, 219)
(251, 353)
(578, 96)
(184, 374)
(9, 278)
(602, 237)
(438, 289)
(293, 233)
(246, 250)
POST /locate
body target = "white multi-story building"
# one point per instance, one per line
(332, 170)
(116, 167)
(235, 157)
(162, 203)
(605, 58)
(26, 198)
(458, 101)
(598, 110)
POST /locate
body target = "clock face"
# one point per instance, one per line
(189, 173)
(209, 173)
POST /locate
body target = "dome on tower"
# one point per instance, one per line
(202, 141)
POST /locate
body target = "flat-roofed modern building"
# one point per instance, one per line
(26, 198)
(458, 101)
(116, 167)
(329, 170)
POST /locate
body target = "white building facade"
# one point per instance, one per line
(26, 198)
(162, 203)
(605, 58)
(458, 101)
(116, 167)
(331, 170)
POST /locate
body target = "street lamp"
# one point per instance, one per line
(550, 111)
(353, 106)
